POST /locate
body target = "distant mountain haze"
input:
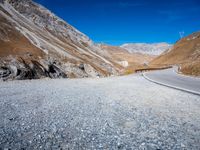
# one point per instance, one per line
(144, 48)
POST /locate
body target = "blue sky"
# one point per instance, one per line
(124, 21)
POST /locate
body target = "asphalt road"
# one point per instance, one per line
(111, 113)
(170, 77)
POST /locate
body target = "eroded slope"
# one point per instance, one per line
(31, 36)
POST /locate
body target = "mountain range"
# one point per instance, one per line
(145, 48)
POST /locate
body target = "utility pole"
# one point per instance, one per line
(181, 34)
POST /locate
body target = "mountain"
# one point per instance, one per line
(130, 61)
(144, 48)
(35, 43)
(185, 53)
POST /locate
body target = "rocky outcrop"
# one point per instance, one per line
(21, 69)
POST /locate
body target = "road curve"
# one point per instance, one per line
(170, 78)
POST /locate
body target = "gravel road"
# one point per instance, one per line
(110, 113)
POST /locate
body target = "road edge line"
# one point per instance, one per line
(171, 86)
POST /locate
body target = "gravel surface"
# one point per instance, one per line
(111, 113)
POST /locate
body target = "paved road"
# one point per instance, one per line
(172, 78)
(112, 113)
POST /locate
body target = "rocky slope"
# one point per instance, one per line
(144, 48)
(185, 53)
(35, 43)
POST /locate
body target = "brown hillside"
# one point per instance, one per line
(185, 53)
(13, 43)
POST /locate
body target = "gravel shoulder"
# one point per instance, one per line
(126, 112)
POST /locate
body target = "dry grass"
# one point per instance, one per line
(191, 69)
(16, 43)
(129, 71)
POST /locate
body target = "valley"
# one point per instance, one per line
(61, 90)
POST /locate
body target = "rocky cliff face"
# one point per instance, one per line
(35, 43)
(144, 48)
